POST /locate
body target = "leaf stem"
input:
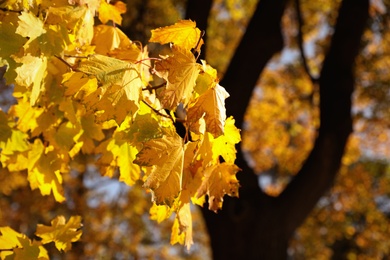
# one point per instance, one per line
(155, 87)
(157, 112)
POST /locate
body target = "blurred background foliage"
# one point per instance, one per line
(350, 222)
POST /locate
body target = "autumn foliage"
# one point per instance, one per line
(84, 89)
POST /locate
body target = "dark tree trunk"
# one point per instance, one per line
(256, 226)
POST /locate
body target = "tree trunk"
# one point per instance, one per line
(256, 226)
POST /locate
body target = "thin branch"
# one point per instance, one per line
(300, 42)
(155, 87)
(157, 112)
(64, 61)
(150, 58)
(11, 11)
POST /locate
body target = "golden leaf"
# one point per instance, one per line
(166, 155)
(219, 180)
(30, 26)
(60, 232)
(184, 34)
(180, 70)
(212, 105)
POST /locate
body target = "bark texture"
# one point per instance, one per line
(256, 226)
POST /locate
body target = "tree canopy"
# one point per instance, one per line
(117, 128)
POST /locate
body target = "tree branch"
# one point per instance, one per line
(262, 39)
(336, 87)
(300, 42)
(199, 11)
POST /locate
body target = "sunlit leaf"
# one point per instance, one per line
(30, 26)
(60, 232)
(211, 104)
(113, 12)
(166, 155)
(183, 33)
(219, 180)
(180, 70)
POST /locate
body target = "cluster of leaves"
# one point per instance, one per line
(14, 245)
(86, 89)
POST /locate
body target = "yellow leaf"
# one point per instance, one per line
(180, 71)
(166, 155)
(211, 104)
(79, 86)
(109, 12)
(90, 132)
(176, 235)
(225, 144)
(159, 213)
(9, 238)
(184, 219)
(15, 142)
(184, 34)
(121, 90)
(118, 152)
(108, 38)
(219, 180)
(206, 79)
(30, 26)
(44, 171)
(32, 73)
(28, 250)
(60, 232)
(27, 116)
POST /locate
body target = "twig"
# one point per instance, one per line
(300, 41)
(11, 11)
(157, 112)
(64, 61)
(155, 87)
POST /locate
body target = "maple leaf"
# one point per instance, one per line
(79, 86)
(9, 238)
(60, 232)
(121, 90)
(27, 116)
(180, 70)
(44, 171)
(166, 155)
(160, 213)
(28, 250)
(12, 141)
(206, 79)
(111, 40)
(118, 152)
(225, 144)
(31, 73)
(10, 42)
(182, 227)
(143, 128)
(212, 105)
(184, 34)
(111, 12)
(30, 26)
(219, 180)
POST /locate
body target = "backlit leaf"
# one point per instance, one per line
(180, 71)
(219, 180)
(166, 155)
(60, 232)
(30, 26)
(211, 104)
(31, 74)
(184, 34)
(113, 12)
